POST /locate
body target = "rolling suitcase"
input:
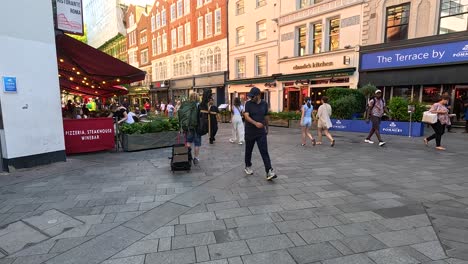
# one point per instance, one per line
(181, 159)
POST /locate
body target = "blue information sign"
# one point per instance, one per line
(454, 52)
(9, 84)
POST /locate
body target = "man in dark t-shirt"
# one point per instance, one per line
(256, 130)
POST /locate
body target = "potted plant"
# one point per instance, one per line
(281, 119)
(158, 133)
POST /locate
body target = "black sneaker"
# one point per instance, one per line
(271, 175)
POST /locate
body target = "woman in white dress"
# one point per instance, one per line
(324, 123)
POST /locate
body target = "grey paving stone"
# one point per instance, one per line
(320, 235)
(156, 218)
(431, 249)
(165, 231)
(263, 209)
(179, 256)
(246, 232)
(194, 196)
(219, 261)
(222, 206)
(231, 213)
(269, 243)
(66, 244)
(227, 250)
(406, 237)
(79, 231)
(296, 239)
(313, 253)
(273, 257)
(383, 195)
(353, 259)
(362, 216)
(360, 229)
(407, 222)
(295, 225)
(139, 248)
(99, 249)
(38, 249)
(205, 226)
(128, 260)
(342, 248)
(164, 244)
(454, 234)
(126, 216)
(34, 259)
(140, 199)
(253, 220)
(91, 219)
(331, 194)
(180, 230)
(109, 218)
(228, 235)
(194, 218)
(52, 222)
(235, 260)
(101, 228)
(201, 252)
(193, 240)
(360, 244)
(298, 205)
(121, 208)
(16, 236)
(230, 223)
(325, 221)
(297, 214)
(391, 256)
(149, 206)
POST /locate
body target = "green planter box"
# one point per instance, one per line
(136, 142)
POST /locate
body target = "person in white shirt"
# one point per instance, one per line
(237, 123)
(324, 123)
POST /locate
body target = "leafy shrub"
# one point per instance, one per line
(344, 107)
(398, 108)
(368, 90)
(359, 105)
(156, 125)
(286, 115)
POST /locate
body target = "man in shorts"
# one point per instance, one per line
(376, 110)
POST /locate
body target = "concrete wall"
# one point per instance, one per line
(31, 117)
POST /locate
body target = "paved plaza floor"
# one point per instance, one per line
(354, 203)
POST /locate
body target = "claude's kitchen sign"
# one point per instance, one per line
(313, 65)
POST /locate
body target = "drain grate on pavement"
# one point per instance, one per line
(27, 232)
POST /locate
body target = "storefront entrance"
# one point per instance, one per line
(294, 97)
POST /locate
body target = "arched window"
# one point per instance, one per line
(202, 62)
(209, 60)
(188, 62)
(161, 71)
(217, 59)
(175, 65)
(182, 65)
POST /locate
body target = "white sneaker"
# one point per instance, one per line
(248, 170)
(369, 141)
(232, 140)
(241, 142)
(271, 175)
(381, 143)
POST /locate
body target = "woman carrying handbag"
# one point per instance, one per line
(443, 120)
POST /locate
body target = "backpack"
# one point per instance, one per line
(188, 115)
(369, 109)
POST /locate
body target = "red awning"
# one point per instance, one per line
(86, 70)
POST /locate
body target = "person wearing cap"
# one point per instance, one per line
(377, 108)
(256, 130)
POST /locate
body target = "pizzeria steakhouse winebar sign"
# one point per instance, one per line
(69, 16)
(455, 52)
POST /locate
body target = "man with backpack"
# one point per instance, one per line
(375, 111)
(189, 115)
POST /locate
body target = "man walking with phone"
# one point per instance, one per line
(256, 130)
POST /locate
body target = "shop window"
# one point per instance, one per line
(397, 23)
(301, 40)
(240, 7)
(316, 40)
(430, 94)
(453, 16)
(402, 91)
(333, 34)
(240, 35)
